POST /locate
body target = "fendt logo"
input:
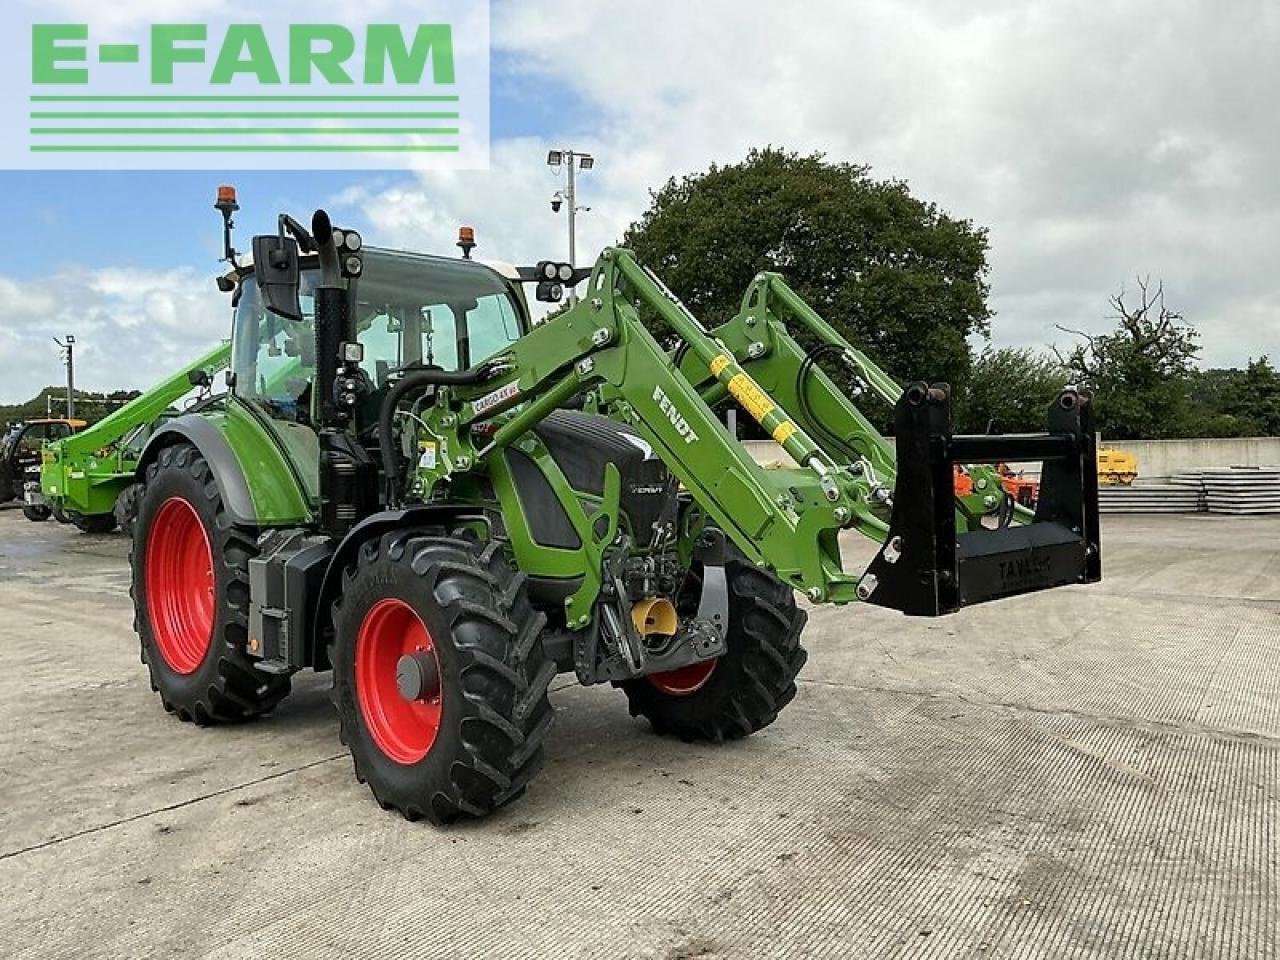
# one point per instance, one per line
(675, 416)
(132, 92)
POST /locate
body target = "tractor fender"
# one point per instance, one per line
(213, 446)
(371, 527)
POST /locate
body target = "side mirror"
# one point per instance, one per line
(275, 266)
(200, 378)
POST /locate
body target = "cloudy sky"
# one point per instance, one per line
(1096, 141)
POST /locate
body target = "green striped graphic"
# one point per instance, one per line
(243, 148)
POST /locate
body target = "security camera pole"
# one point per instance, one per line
(69, 357)
(573, 159)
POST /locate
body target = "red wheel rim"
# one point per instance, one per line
(180, 585)
(685, 680)
(404, 730)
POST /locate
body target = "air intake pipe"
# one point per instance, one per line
(333, 321)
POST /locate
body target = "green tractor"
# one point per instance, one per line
(414, 484)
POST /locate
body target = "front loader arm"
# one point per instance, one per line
(789, 519)
(760, 336)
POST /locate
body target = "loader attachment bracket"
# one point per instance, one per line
(927, 568)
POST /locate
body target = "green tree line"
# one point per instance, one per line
(90, 407)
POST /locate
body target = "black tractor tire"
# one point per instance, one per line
(199, 667)
(483, 739)
(126, 509)
(754, 678)
(96, 523)
(6, 491)
(36, 512)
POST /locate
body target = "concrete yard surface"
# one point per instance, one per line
(1087, 772)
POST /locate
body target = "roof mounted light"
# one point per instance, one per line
(227, 199)
(466, 241)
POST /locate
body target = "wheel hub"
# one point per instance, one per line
(397, 679)
(418, 676)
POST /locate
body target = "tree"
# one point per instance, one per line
(894, 274)
(1238, 403)
(1011, 390)
(1141, 374)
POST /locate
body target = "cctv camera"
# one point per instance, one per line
(556, 204)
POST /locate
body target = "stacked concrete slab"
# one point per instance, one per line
(1232, 490)
(1149, 497)
(1243, 490)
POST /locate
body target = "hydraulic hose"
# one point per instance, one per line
(802, 394)
(417, 380)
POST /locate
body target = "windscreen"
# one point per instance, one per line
(409, 311)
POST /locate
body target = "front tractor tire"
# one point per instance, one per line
(439, 676)
(743, 690)
(191, 596)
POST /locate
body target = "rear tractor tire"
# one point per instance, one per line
(439, 676)
(191, 596)
(743, 690)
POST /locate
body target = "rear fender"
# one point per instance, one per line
(269, 494)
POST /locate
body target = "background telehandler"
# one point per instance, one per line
(90, 478)
(414, 485)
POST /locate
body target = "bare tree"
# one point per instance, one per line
(1148, 332)
(1140, 372)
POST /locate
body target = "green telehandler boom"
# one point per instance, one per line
(415, 485)
(89, 479)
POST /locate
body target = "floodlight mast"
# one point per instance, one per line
(69, 358)
(573, 160)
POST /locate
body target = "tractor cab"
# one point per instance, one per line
(20, 450)
(410, 311)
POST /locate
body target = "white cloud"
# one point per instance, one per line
(133, 327)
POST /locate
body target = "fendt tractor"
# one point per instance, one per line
(412, 483)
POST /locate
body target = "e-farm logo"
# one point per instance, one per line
(264, 94)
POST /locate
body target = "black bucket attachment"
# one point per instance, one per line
(927, 568)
